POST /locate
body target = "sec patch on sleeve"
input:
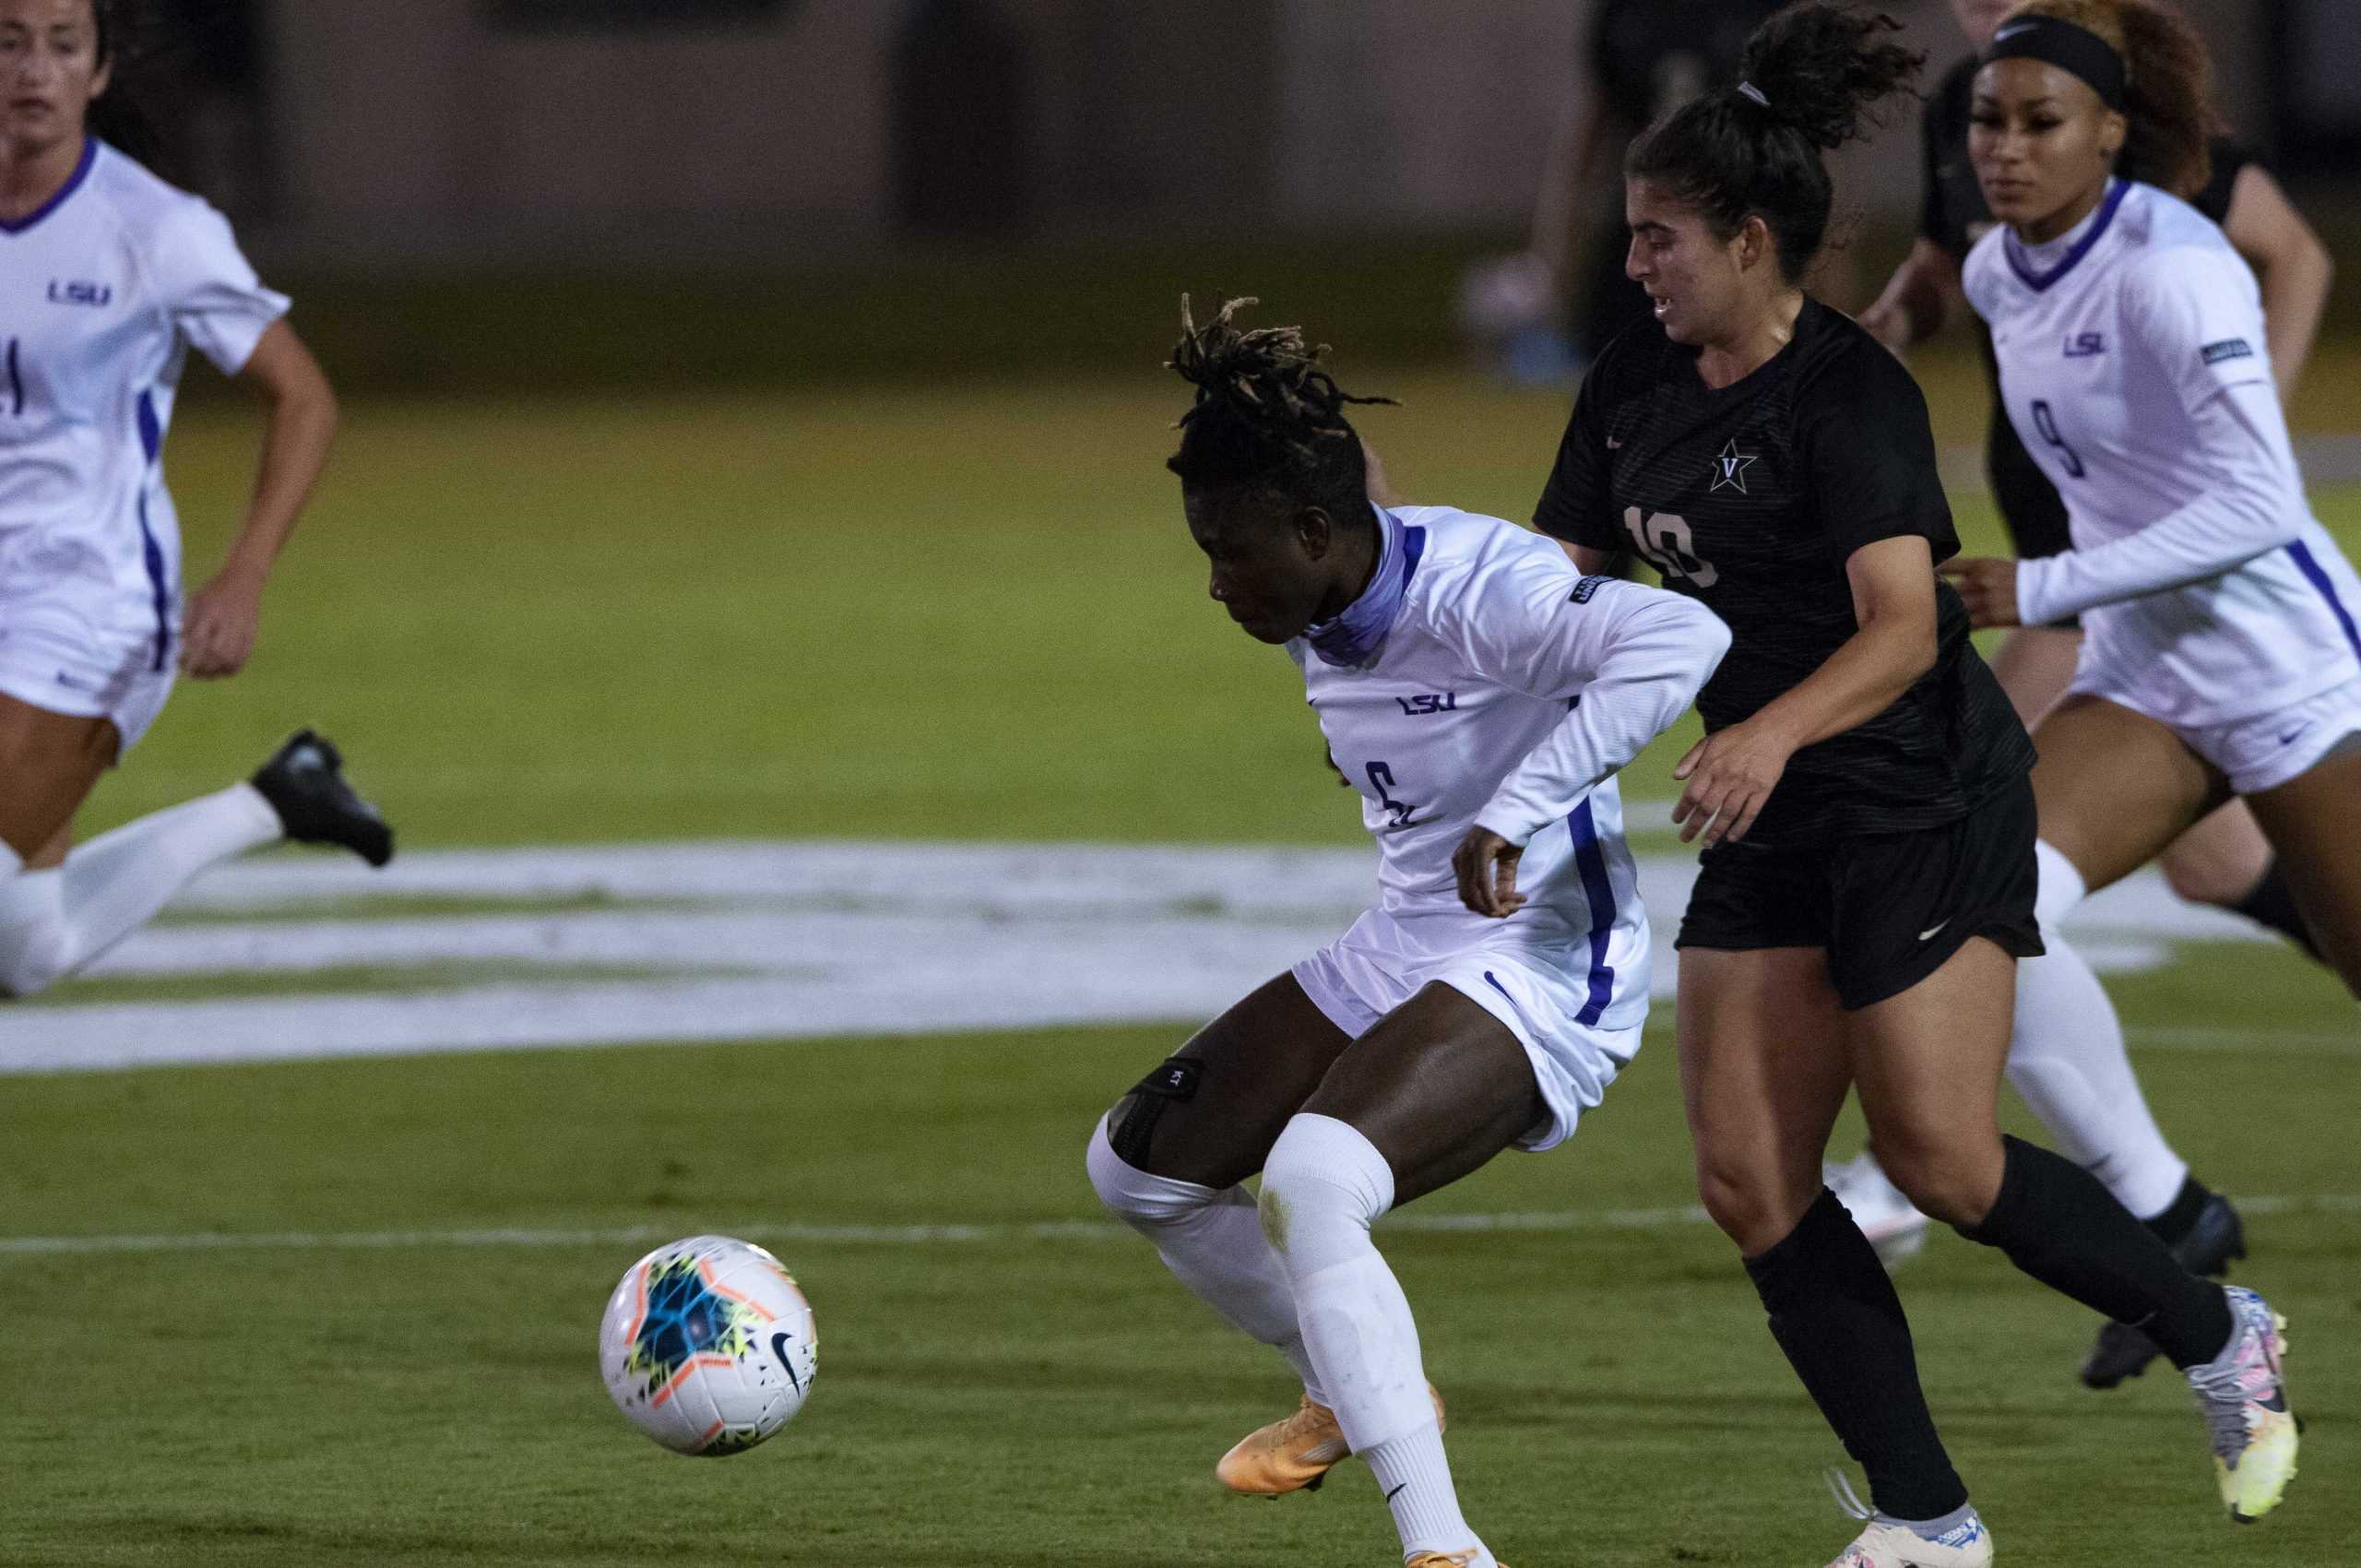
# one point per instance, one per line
(1587, 587)
(2228, 349)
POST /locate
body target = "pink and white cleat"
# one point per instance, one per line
(2244, 1396)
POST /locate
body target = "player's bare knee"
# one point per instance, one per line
(1948, 1178)
(1751, 1207)
(2206, 879)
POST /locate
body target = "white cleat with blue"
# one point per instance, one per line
(2244, 1396)
(1888, 1544)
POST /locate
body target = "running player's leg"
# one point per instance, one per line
(1927, 1061)
(50, 760)
(2226, 861)
(1432, 1091)
(2308, 820)
(2113, 788)
(1763, 1074)
(1169, 1158)
(61, 910)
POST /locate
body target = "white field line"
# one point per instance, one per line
(905, 1235)
(822, 940)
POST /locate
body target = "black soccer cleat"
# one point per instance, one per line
(305, 783)
(2216, 1241)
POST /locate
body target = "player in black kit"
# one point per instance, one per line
(2225, 859)
(1868, 877)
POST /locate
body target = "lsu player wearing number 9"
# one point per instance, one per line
(708, 1345)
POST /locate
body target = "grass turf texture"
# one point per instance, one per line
(1615, 1401)
(961, 611)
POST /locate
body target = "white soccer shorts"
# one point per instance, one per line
(1371, 970)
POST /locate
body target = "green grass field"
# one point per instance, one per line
(957, 614)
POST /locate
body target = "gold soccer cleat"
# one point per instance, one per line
(1294, 1454)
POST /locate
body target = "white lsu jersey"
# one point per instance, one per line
(1507, 691)
(107, 285)
(2134, 364)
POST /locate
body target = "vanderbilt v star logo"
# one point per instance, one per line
(1729, 468)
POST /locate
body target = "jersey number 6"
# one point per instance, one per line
(1665, 539)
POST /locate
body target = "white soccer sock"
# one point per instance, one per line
(2066, 1058)
(1213, 1243)
(1323, 1186)
(55, 922)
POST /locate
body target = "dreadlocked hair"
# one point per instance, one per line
(2168, 93)
(1820, 70)
(1267, 418)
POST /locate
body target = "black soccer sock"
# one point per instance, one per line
(2271, 905)
(2180, 1216)
(2057, 1223)
(1834, 1311)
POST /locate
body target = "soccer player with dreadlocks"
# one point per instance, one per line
(1480, 694)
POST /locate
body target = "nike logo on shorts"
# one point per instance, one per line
(1932, 931)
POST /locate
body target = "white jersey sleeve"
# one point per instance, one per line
(208, 290)
(2195, 316)
(1628, 659)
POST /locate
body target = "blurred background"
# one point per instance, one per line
(449, 145)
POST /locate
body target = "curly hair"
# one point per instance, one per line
(1814, 75)
(2169, 95)
(1268, 418)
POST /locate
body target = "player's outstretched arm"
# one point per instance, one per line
(224, 615)
(1630, 659)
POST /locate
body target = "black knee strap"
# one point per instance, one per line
(1173, 1082)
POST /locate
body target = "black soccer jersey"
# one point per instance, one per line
(1752, 498)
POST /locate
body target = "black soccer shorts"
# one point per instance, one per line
(1891, 909)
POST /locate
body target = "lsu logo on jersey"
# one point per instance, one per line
(1429, 702)
(62, 293)
(2086, 345)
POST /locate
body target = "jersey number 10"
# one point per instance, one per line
(1665, 539)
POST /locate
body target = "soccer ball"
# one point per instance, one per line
(708, 1345)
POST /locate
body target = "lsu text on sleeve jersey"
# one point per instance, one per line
(1506, 690)
(107, 285)
(1752, 498)
(2134, 365)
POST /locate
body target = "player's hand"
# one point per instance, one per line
(1987, 587)
(1889, 324)
(217, 633)
(1730, 775)
(1486, 864)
